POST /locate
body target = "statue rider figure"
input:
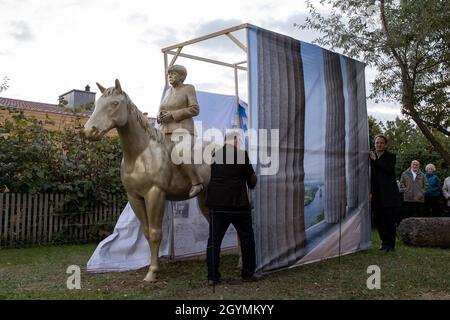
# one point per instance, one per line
(177, 108)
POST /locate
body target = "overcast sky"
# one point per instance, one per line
(49, 47)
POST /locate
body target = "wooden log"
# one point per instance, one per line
(425, 232)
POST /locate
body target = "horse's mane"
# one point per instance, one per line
(153, 133)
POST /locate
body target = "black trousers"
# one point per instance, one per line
(413, 209)
(385, 220)
(431, 206)
(220, 221)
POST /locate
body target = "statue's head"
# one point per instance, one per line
(177, 70)
(110, 112)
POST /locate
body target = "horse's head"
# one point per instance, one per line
(110, 112)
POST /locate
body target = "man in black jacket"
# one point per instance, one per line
(384, 193)
(228, 202)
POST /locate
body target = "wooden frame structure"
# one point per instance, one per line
(175, 51)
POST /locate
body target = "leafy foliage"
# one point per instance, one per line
(374, 129)
(36, 160)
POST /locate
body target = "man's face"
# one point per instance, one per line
(380, 144)
(415, 165)
(430, 170)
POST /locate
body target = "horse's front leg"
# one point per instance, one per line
(155, 203)
(138, 206)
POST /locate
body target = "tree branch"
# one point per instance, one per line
(386, 32)
(431, 124)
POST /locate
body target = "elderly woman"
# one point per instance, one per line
(431, 207)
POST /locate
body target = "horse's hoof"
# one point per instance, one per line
(150, 277)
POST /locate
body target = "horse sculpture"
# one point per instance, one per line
(147, 172)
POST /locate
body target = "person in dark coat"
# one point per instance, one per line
(228, 201)
(384, 192)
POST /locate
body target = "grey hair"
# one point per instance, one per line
(430, 165)
(181, 70)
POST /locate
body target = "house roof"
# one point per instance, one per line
(46, 107)
(37, 106)
(76, 90)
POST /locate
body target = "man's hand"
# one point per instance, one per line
(165, 116)
(373, 156)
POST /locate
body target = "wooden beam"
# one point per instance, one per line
(209, 36)
(249, 90)
(165, 71)
(237, 42)
(236, 99)
(175, 56)
(190, 56)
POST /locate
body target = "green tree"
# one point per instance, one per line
(406, 140)
(375, 127)
(408, 42)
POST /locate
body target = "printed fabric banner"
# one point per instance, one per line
(316, 204)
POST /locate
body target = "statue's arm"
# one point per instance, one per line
(192, 108)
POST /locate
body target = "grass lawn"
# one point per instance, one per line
(407, 273)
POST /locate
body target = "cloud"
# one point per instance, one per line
(383, 112)
(223, 43)
(288, 27)
(161, 36)
(137, 19)
(21, 31)
(216, 25)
